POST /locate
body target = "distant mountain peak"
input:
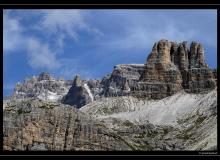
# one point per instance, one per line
(157, 105)
(45, 76)
(169, 68)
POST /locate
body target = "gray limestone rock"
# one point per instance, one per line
(40, 125)
(169, 68)
(42, 113)
(78, 94)
(43, 87)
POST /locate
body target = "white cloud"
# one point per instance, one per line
(56, 24)
(143, 37)
(139, 29)
(67, 21)
(12, 38)
(63, 24)
(40, 56)
(121, 31)
(172, 32)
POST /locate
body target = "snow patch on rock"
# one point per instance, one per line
(89, 92)
(51, 96)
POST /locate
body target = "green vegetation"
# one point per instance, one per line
(143, 147)
(180, 121)
(106, 110)
(199, 120)
(116, 136)
(21, 111)
(139, 136)
(187, 134)
(146, 147)
(9, 109)
(151, 134)
(128, 123)
(47, 105)
(100, 125)
(165, 130)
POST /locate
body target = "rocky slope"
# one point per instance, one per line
(41, 125)
(169, 68)
(187, 121)
(168, 103)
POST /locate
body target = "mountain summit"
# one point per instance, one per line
(169, 68)
(167, 103)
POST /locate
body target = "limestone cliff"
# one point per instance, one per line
(167, 103)
(41, 125)
(169, 68)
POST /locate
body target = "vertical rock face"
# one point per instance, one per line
(174, 63)
(79, 94)
(196, 56)
(199, 77)
(169, 68)
(214, 71)
(77, 81)
(160, 53)
(182, 56)
(39, 125)
(32, 122)
(161, 75)
(123, 78)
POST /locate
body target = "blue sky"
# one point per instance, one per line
(91, 42)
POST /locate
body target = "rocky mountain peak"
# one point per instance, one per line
(160, 53)
(45, 76)
(196, 56)
(185, 63)
(165, 52)
(77, 81)
(151, 106)
(79, 93)
(43, 87)
(169, 68)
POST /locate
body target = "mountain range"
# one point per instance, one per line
(167, 103)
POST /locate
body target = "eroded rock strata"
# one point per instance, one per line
(40, 125)
(169, 68)
(167, 103)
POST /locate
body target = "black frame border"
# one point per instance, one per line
(112, 6)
